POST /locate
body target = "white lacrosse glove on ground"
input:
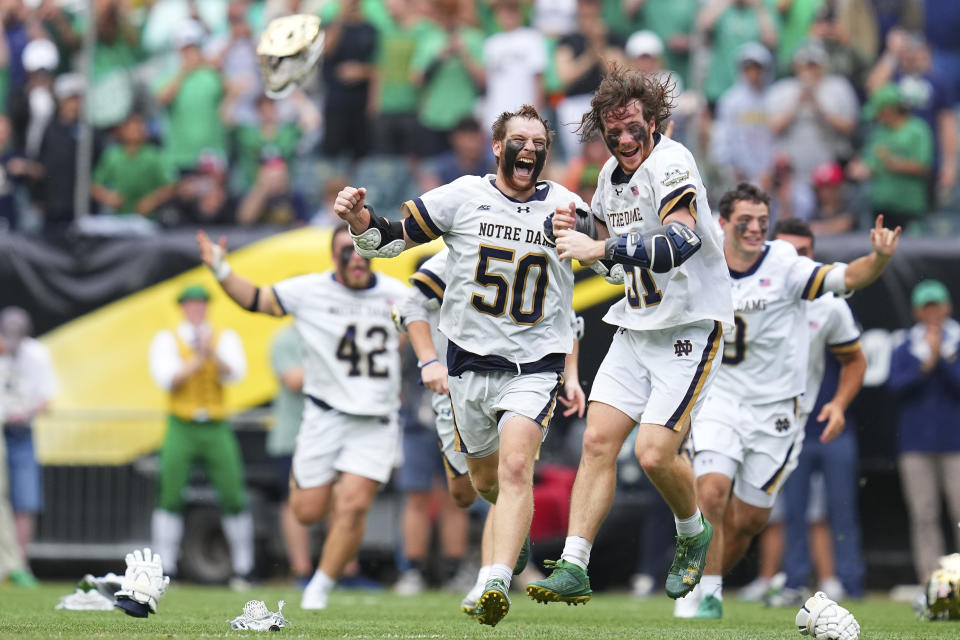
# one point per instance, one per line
(257, 617)
(824, 619)
(143, 584)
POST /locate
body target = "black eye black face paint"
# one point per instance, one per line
(512, 148)
(637, 130)
(744, 226)
(345, 254)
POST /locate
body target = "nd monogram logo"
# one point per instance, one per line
(682, 348)
(782, 425)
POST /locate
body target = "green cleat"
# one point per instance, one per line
(494, 603)
(567, 583)
(688, 562)
(23, 578)
(710, 609)
(523, 558)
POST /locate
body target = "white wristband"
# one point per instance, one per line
(220, 267)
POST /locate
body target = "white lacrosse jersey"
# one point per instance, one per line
(696, 290)
(351, 361)
(832, 327)
(508, 294)
(423, 301)
(766, 350)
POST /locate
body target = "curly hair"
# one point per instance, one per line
(622, 85)
(744, 192)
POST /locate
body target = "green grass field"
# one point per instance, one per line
(202, 612)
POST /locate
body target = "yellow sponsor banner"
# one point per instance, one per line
(109, 411)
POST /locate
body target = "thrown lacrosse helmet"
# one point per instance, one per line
(289, 49)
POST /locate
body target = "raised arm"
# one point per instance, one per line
(866, 269)
(242, 291)
(374, 236)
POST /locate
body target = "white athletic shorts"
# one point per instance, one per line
(660, 377)
(331, 441)
(454, 462)
(482, 402)
(741, 441)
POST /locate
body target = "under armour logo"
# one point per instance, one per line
(523, 209)
(619, 190)
(483, 207)
(682, 348)
(782, 425)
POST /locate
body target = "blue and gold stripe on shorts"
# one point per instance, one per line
(457, 440)
(679, 417)
(543, 418)
(418, 224)
(770, 485)
(814, 286)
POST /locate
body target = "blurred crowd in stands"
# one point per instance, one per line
(840, 108)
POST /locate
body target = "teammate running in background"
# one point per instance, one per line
(507, 318)
(652, 220)
(748, 437)
(349, 439)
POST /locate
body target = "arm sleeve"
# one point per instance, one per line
(431, 215)
(808, 279)
(43, 377)
(413, 307)
(165, 361)
(673, 185)
(596, 203)
(230, 350)
(844, 334)
(292, 292)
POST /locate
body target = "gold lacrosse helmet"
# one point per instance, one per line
(289, 49)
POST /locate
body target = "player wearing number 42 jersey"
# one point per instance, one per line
(652, 220)
(747, 437)
(349, 436)
(507, 315)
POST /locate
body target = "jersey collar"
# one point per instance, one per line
(539, 192)
(752, 270)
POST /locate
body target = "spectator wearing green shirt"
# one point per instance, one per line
(286, 361)
(193, 100)
(674, 22)
(393, 96)
(269, 137)
(448, 68)
(897, 158)
(132, 176)
(730, 25)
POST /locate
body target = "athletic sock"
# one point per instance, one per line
(322, 581)
(166, 530)
(689, 527)
(712, 586)
(483, 574)
(502, 572)
(416, 565)
(239, 532)
(577, 551)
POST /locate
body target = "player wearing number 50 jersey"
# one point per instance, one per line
(747, 437)
(651, 219)
(349, 437)
(507, 315)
